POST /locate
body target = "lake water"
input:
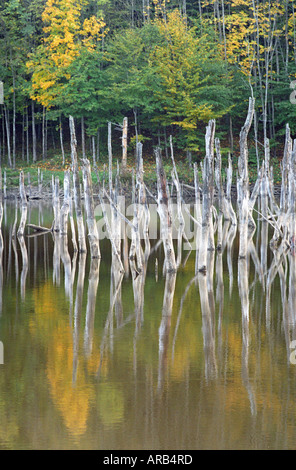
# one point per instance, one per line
(93, 364)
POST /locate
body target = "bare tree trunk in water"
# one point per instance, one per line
(205, 240)
(76, 185)
(165, 215)
(56, 205)
(93, 235)
(243, 182)
(66, 204)
(24, 206)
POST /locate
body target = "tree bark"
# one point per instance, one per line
(76, 186)
(93, 235)
(165, 215)
(24, 206)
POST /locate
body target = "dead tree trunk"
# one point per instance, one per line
(165, 215)
(66, 204)
(243, 182)
(144, 215)
(228, 202)
(24, 206)
(207, 199)
(56, 205)
(218, 178)
(93, 235)
(76, 187)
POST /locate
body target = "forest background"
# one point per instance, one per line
(168, 66)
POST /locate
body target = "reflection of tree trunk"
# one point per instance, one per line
(207, 328)
(109, 321)
(93, 280)
(24, 266)
(57, 259)
(243, 285)
(180, 312)
(276, 266)
(77, 312)
(138, 288)
(116, 276)
(220, 295)
(230, 240)
(65, 256)
(13, 242)
(165, 325)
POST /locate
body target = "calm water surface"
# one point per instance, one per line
(96, 361)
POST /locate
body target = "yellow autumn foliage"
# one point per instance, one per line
(65, 37)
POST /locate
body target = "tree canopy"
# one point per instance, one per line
(168, 65)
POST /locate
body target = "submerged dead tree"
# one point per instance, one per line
(243, 182)
(56, 205)
(93, 235)
(65, 209)
(24, 206)
(165, 215)
(206, 239)
(76, 187)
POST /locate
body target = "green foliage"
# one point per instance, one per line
(169, 69)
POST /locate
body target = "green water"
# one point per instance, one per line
(79, 375)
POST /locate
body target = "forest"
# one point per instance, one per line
(167, 66)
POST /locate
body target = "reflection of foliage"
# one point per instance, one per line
(70, 390)
(110, 404)
(9, 428)
(72, 399)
